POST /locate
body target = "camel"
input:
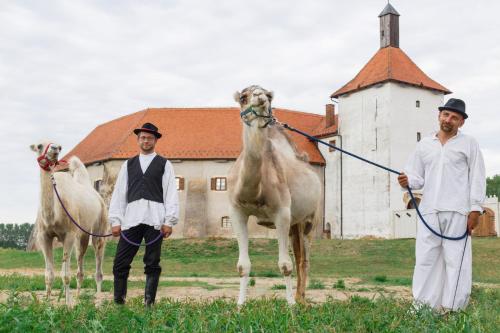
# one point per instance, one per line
(272, 181)
(85, 206)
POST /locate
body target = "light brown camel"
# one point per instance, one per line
(85, 206)
(273, 182)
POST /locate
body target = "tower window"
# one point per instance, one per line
(417, 104)
(419, 136)
(225, 222)
(97, 185)
(332, 142)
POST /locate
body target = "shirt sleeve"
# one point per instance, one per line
(118, 203)
(477, 178)
(170, 196)
(415, 170)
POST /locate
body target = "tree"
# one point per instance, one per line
(493, 185)
(15, 235)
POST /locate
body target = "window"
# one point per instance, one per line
(419, 136)
(417, 104)
(332, 142)
(218, 184)
(98, 184)
(225, 222)
(179, 183)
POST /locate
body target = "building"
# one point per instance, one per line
(202, 144)
(382, 113)
(384, 110)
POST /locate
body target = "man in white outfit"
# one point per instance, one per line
(144, 202)
(449, 167)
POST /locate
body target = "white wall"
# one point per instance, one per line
(380, 124)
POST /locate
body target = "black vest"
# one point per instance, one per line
(148, 185)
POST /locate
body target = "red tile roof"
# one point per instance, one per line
(390, 64)
(188, 133)
(322, 130)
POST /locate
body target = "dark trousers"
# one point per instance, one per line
(126, 252)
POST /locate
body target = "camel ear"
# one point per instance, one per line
(270, 95)
(34, 148)
(237, 96)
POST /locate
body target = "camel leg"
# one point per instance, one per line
(240, 228)
(99, 244)
(46, 246)
(282, 221)
(297, 238)
(68, 243)
(80, 249)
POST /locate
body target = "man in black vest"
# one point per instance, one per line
(144, 203)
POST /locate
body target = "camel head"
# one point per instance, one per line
(48, 154)
(255, 103)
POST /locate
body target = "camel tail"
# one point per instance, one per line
(78, 170)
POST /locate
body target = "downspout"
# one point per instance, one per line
(334, 100)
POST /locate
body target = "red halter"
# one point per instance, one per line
(45, 163)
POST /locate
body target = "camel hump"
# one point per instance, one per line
(78, 170)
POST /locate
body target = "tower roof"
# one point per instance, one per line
(390, 64)
(389, 10)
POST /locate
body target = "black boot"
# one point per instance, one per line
(120, 290)
(150, 290)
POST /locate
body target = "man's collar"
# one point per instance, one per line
(153, 154)
(435, 136)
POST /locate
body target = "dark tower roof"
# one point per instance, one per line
(389, 10)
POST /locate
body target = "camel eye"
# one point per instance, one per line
(243, 98)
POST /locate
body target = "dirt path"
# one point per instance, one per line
(227, 288)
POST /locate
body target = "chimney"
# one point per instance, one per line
(330, 115)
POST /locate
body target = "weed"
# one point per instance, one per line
(316, 284)
(340, 284)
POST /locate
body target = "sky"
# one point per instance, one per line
(69, 66)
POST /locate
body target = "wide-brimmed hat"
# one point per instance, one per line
(455, 105)
(150, 128)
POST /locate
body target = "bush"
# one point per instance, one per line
(380, 278)
(278, 287)
(340, 284)
(316, 284)
(252, 282)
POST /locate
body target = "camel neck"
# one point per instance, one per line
(46, 193)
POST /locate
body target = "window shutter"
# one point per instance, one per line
(213, 182)
(181, 183)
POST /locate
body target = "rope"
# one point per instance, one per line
(459, 271)
(97, 235)
(379, 166)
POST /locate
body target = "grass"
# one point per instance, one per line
(19, 283)
(364, 259)
(316, 284)
(358, 314)
(340, 284)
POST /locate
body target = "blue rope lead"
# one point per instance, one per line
(312, 138)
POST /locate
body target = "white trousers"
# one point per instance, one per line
(438, 261)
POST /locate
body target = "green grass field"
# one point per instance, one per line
(365, 259)
(379, 263)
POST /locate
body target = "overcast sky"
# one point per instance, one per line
(68, 66)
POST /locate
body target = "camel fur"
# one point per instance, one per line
(272, 181)
(85, 206)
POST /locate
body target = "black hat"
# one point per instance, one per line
(455, 105)
(150, 128)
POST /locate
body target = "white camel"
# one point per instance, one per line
(85, 206)
(273, 182)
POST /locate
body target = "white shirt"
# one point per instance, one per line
(144, 211)
(452, 175)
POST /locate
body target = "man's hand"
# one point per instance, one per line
(166, 231)
(403, 180)
(472, 221)
(116, 230)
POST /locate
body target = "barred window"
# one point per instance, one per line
(225, 222)
(98, 184)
